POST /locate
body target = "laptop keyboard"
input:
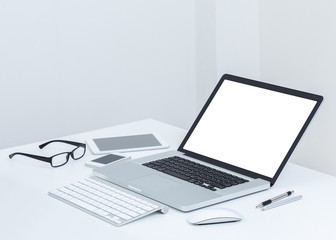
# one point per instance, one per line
(195, 173)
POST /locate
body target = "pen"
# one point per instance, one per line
(277, 204)
(277, 198)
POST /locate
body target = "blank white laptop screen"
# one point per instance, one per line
(250, 127)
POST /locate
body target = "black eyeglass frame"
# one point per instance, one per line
(49, 159)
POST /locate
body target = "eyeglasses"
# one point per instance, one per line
(61, 158)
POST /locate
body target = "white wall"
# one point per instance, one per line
(74, 65)
(237, 38)
(298, 50)
(227, 41)
(205, 52)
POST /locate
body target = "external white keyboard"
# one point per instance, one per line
(107, 201)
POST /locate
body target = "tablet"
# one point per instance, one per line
(130, 143)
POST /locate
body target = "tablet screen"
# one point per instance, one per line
(126, 142)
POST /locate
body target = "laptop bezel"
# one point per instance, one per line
(263, 85)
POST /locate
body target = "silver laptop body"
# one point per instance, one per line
(246, 128)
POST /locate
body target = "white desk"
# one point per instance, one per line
(27, 212)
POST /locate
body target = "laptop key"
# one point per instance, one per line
(178, 175)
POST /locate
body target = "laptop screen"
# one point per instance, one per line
(249, 126)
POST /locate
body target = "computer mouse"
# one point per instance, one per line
(214, 215)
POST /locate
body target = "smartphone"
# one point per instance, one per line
(103, 161)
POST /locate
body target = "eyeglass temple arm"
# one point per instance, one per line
(63, 141)
(41, 158)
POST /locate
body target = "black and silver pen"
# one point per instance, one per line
(277, 198)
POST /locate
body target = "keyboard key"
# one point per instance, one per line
(124, 216)
(83, 204)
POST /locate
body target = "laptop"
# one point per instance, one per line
(238, 145)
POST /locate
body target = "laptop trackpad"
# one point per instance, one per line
(153, 182)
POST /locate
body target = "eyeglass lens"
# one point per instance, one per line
(78, 153)
(59, 159)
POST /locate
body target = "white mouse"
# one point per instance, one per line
(214, 215)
